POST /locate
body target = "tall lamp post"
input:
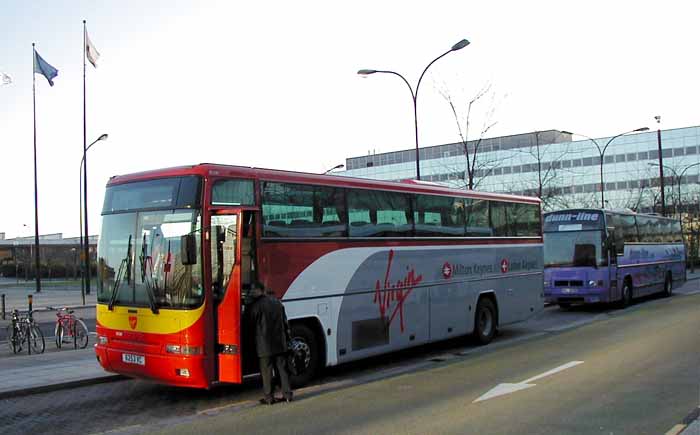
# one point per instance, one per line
(414, 94)
(334, 168)
(601, 153)
(679, 178)
(84, 210)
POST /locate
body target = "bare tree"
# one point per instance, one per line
(545, 185)
(476, 165)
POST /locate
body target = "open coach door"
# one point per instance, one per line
(232, 259)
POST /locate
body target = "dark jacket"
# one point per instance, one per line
(269, 320)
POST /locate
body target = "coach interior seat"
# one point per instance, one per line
(333, 229)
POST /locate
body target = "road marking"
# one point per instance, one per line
(506, 388)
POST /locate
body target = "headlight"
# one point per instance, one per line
(102, 339)
(183, 350)
(591, 283)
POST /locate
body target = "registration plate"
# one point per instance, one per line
(134, 359)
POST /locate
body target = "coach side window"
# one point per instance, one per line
(298, 210)
(439, 216)
(378, 214)
(676, 232)
(645, 227)
(233, 192)
(499, 219)
(526, 220)
(477, 218)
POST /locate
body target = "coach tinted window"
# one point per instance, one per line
(477, 218)
(164, 193)
(297, 210)
(379, 214)
(525, 220)
(233, 192)
(499, 219)
(439, 216)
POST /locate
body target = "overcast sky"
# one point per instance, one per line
(274, 84)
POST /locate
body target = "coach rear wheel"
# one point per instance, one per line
(485, 321)
(668, 285)
(307, 354)
(626, 300)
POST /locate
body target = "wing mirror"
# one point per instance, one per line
(188, 249)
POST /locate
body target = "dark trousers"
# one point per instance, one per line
(279, 363)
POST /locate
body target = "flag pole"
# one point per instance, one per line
(86, 245)
(36, 194)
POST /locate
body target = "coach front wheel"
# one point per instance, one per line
(307, 354)
(626, 300)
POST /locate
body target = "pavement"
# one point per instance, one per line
(68, 368)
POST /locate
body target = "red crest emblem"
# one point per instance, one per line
(133, 320)
(504, 266)
(447, 270)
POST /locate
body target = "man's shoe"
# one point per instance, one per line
(288, 398)
(267, 401)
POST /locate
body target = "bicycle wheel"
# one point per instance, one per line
(58, 334)
(13, 342)
(36, 339)
(81, 333)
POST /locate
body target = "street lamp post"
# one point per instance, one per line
(83, 184)
(414, 94)
(679, 178)
(334, 168)
(601, 153)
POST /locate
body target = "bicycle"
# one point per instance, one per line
(23, 329)
(67, 325)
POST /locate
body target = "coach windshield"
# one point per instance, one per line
(140, 249)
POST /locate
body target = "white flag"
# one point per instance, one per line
(90, 51)
(6, 79)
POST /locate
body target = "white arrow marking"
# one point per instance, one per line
(502, 389)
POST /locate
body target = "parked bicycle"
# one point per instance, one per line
(21, 330)
(70, 328)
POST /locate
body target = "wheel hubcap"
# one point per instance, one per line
(302, 353)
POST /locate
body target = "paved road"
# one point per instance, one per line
(634, 373)
(635, 360)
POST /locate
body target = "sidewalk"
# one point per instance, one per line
(49, 371)
(53, 295)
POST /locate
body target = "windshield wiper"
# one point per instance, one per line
(124, 266)
(143, 260)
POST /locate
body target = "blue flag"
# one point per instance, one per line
(42, 67)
